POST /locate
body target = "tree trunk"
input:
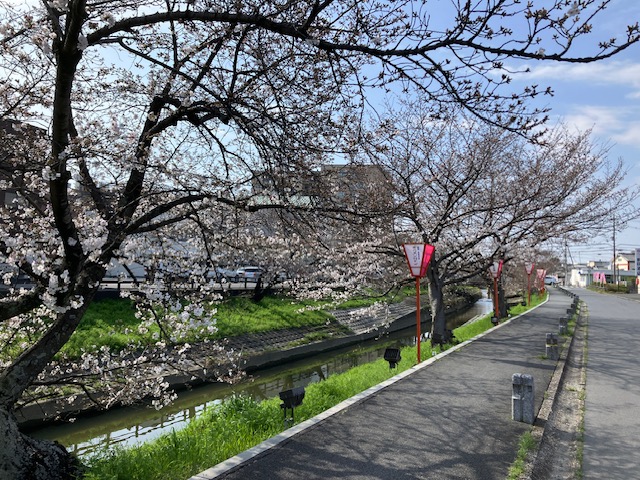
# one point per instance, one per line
(439, 334)
(502, 302)
(25, 458)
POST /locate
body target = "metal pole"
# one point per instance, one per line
(566, 264)
(418, 315)
(613, 269)
(495, 298)
(529, 288)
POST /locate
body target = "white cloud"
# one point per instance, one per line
(629, 135)
(602, 97)
(607, 73)
(602, 120)
(619, 124)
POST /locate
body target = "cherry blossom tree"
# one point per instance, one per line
(480, 194)
(156, 120)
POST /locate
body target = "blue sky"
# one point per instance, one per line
(604, 97)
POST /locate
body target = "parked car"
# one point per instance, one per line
(223, 275)
(549, 280)
(281, 276)
(250, 273)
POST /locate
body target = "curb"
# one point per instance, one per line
(541, 424)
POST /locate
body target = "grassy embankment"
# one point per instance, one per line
(609, 288)
(240, 423)
(113, 323)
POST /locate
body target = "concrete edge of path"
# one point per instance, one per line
(540, 427)
(233, 462)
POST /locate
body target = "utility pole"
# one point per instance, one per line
(566, 265)
(613, 266)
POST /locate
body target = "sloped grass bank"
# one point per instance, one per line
(240, 423)
(113, 323)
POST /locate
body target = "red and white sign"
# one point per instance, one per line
(528, 267)
(496, 269)
(418, 257)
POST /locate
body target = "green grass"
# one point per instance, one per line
(395, 296)
(467, 332)
(536, 299)
(241, 315)
(609, 288)
(112, 322)
(219, 433)
(526, 445)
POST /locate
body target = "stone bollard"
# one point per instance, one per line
(552, 346)
(563, 327)
(522, 398)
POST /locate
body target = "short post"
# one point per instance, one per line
(563, 326)
(522, 398)
(552, 346)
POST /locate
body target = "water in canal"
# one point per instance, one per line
(134, 425)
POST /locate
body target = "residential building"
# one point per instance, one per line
(355, 184)
(599, 264)
(625, 262)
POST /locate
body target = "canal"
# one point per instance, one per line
(132, 426)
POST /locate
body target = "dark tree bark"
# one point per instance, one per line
(26, 458)
(436, 301)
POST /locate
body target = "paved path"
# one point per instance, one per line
(448, 420)
(612, 417)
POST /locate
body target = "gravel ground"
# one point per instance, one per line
(559, 429)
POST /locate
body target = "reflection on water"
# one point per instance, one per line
(132, 426)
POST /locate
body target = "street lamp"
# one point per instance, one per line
(291, 399)
(392, 355)
(496, 270)
(541, 274)
(528, 267)
(418, 257)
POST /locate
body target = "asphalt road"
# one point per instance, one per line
(612, 416)
(447, 420)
